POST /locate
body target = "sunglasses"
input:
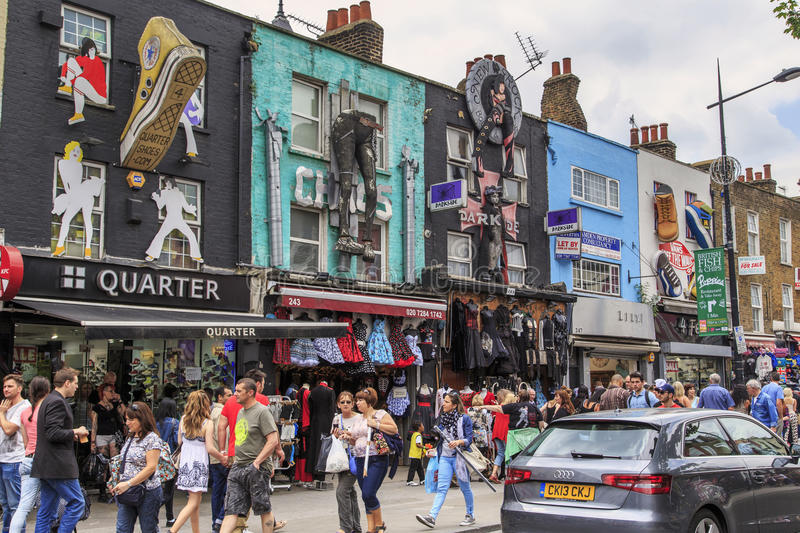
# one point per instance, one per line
(345, 402)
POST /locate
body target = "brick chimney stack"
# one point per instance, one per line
(355, 32)
(651, 141)
(559, 98)
(764, 181)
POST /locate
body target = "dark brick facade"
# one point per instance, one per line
(363, 38)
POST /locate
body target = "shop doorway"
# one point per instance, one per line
(602, 368)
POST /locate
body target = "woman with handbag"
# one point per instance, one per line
(346, 496)
(167, 425)
(455, 431)
(106, 423)
(196, 443)
(372, 461)
(138, 493)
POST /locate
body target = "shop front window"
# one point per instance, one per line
(691, 369)
(602, 368)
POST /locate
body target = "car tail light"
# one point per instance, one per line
(642, 483)
(517, 476)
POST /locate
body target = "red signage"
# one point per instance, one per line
(11, 270)
(797, 279)
(362, 303)
(24, 354)
(679, 256)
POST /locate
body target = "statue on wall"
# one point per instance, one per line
(354, 142)
(84, 76)
(499, 116)
(492, 245)
(172, 199)
(192, 116)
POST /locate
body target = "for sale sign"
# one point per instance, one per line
(751, 265)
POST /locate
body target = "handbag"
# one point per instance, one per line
(176, 456)
(166, 468)
(352, 461)
(337, 458)
(324, 449)
(135, 494)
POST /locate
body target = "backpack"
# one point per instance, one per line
(646, 399)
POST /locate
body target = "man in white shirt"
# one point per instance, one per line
(12, 449)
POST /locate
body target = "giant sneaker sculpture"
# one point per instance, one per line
(172, 68)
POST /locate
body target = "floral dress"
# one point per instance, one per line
(303, 353)
(403, 356)
(348, 344)
(378, 347)
(328, 349)
(193, 470)
(366, 366)
(412, 341)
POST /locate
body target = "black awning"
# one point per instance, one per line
(110, 321)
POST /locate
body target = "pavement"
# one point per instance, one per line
(313, 511)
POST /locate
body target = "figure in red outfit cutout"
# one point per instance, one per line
(499, 116)
(84, 76)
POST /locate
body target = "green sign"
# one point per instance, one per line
(712, 313)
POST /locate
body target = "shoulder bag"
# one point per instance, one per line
(135, 493)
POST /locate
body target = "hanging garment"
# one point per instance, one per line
(303, 353)
(458, 335)
(423, 413)
(510, 364)
(398, 401)
(415, 349)
(348, 345)
(365, 367)
(383, 385)
(475, 355)
(328, 349)
(401, 351)
(378, 347)
(321, 403)
(763, 366)
(282, 355)
(440, 399)
(301, 454)
(426, 343)
(492, 344)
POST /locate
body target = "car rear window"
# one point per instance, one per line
(611, 439)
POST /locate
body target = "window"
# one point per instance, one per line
(378, 110)
(689, 197)
(305, 241)
(515, 189)
(594, 188)
(594, 276)
(788, 306)
(74, 235)
(177, 249)
(757, 307)
(733, 227)
(705, 438)
(515, 253)
(459, 155)
(752, 439)
(785, 229)
(307, 116)
(200, 93)
(377, 270)
(753, 247)
(459, 255)
(80, 24)
(656, 185)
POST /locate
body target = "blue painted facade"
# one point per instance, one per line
(282, 57)
(570, 148)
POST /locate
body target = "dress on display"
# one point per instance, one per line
(426, 343)
(328, 349)
(300, 473)
(401, 352)
(458, 335)
(321, 402)
(424, 411)
(366, 366)
(193, 469)
(412, 341)
(347, 344)
(475, 356)
(491, 343)
(282, 355)
(510, 364)
(378, 347)
(398, 402)
(303, 353)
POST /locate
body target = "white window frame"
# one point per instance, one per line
(785, 236)
(753, 240)
(756, 293)
(582, 195)
(688, 198)
(578, 268)
(725, 227)
(787, 304)
(97, 209)
(166, 257)
(201, 89)
(383, 163)
(520, 177)
(380, 255)
(72, 50)
(466, 164)
(458, 259)
(517, 268)
(321, 88)
(321, 259)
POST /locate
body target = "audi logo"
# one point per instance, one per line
(563, 474)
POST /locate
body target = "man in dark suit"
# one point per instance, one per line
(54, 462)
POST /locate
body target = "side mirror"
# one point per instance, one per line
(795, 453)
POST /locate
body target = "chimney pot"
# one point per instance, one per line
(556, 68)
(341, 17)
(758, 176)
(477, 59)
(645, 135)
(500, 58)
(488, 56)
(332, 20)
(768, 171)
(653, 133)
(741, 178)
(748, 174)
(470, 64)
(663, 133)
(365, 10)
(567, 65)
(634, 136)
(355, 13)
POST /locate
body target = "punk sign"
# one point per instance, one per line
(712, 312)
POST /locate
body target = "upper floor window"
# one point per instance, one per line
(787, 302)
(377, 270)
(181, 225)
(459, 154)
(77, 222)
(597, 277)
(197, 109)
(515, 189)
(459, 255)
(785, 230)
(80, 24)
(515, 252)
(757, 307)
(753, 244)
(305, 241)
(594, 188)
(307, 115)
(378, 110)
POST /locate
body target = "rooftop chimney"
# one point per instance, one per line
(470, 64)
(653, 133)
(652, 143)
(332, 20)
(500, 58)
(634, 136)
(559, 98)
(360, 35)
(768, 171)
(764, 181)
(748, 174)
(645, 135)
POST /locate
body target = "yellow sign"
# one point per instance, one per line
(566, 491)
(135, 179)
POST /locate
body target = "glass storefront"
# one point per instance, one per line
(602, 368)
(688, 369)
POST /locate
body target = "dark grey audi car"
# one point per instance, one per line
(654, 470)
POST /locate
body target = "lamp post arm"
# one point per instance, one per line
(715, 104)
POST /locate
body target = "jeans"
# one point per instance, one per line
(347, 499)
(147, 512)
(500, 445)
(376, 471)
(53, 490)
(29, 493)
(219, 484)
(447, 466)
(167, 494)
(9, 491)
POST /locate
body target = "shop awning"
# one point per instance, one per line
(362, 303)
(116, 321)
(701, 350)
(613, 346)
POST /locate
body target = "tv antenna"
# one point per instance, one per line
(532, 55)
(312, 28)
(632, 122)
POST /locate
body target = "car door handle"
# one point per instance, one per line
(759, 478)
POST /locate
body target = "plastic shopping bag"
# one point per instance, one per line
(324, 449)
(432, 475)
(337, 458)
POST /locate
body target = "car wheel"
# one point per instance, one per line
(705, 522)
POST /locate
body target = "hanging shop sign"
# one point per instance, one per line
(752, 265)
(568, 246)
(563, 221)
(678, 255)
(11, 271)
(447, 195)
(738, 333)
(712, 312)
(797, 279)
(361, 303)
(601, 245)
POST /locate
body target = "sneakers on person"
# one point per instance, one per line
(667, 275)
(412, 484)
(426, 520)
(698, 218)
(666, 214)
(468, 520)
(172, 68)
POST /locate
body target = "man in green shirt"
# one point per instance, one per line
(256, 441)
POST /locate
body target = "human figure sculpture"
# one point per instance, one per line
(172, 199)
(492, 241)
(499, 116)
(354, 141)
(82, 76)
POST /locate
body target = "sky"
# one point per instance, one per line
(653, 60)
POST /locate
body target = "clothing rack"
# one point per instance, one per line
(278, 408)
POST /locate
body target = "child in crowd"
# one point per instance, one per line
(415, 452)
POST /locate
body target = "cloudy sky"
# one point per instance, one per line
(653, 60)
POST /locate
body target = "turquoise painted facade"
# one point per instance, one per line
(282, 57)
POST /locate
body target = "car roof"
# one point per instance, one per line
(652, 416)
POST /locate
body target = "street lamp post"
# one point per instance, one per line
(724, 171)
